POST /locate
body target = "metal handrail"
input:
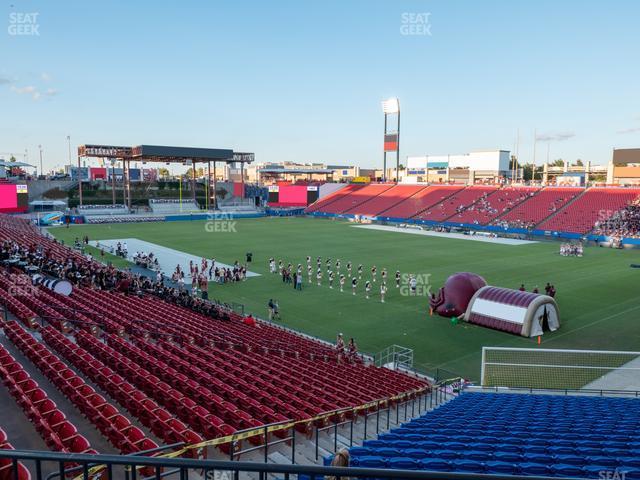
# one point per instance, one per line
(274, 468)
(567, 391)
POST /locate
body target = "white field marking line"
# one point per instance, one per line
(456, 236)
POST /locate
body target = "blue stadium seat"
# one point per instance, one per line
(503, 433)
(499, 468)
(359, 451)
(404, 463)
(539, 469)
(369, 461)
(416, 453)
(435, 464)
(564, 470)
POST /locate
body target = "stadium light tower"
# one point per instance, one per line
(391, 106)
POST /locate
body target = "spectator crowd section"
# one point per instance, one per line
(559, 209)
(623, 224)
(515, 434)
(595, 205)
(491, 205)
(451, 208)
(186, 369)
(541, 205)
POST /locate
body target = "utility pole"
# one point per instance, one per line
(41, 171)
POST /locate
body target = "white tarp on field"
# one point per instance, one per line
(167, 257)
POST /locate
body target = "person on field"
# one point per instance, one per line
(270, 308)
(342, 278)
(413, 284)
(367, 288)
(398, 277)
(354, 285)
(383, 291)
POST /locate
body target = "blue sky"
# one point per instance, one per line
(302, 81)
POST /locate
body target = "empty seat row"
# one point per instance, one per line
(6, 465)
(199, 409)
(151, 415)
(117, 428)
(51, 423)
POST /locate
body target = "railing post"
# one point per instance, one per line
(266, 444)
(366, 418)
(378, 417)
(351, 433)
(317, 443)
(293, 446)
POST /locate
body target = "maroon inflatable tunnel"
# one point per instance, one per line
(453, 298)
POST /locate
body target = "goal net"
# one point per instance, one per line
(560, 369)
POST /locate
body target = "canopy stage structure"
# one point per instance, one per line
(165, 154)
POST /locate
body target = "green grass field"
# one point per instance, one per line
(598, 295)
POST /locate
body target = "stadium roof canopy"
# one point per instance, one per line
(4, 163)
(166, 154)
(159, 153)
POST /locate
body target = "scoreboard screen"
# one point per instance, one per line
(13, 198)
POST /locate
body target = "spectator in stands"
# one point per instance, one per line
(340, 459)
(340, 343)
(249, 320)
(623, 224)
(522, 289)
(352, 348)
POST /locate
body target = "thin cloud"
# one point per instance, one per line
(629, 130)
(27, 90)
(555, 137)
(34, 92)
(5, 81)
(45, 77)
